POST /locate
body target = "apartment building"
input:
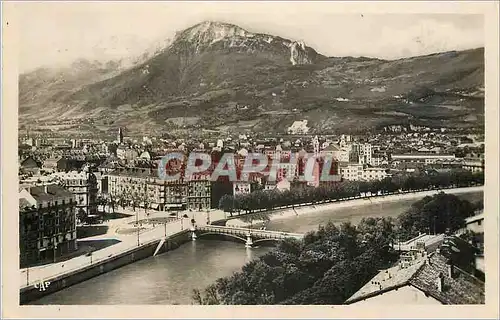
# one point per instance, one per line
(241, 187)
(175, 195)
(378, 160)
(358, 172)
(351, 171)
(143, 186)
(422, 158)
(199, 192)
(363, 151)
(47, 223)
(370, 174)
(84, 186)
(474, 162)
(339, 153)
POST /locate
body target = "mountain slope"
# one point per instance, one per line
(219, 76)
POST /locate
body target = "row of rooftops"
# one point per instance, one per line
(44, 194)
(433, 274)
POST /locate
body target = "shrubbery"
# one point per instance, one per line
(326, 267)
(331, 264)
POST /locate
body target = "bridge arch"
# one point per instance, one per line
(222, 234)
(267, 239)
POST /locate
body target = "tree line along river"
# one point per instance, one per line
(170, 278)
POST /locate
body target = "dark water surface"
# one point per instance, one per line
(171, 277)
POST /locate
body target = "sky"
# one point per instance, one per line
(58, 33)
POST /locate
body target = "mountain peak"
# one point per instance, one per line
(220, 36)
(211, 32)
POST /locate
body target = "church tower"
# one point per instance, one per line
(120, 135)
(315, 143)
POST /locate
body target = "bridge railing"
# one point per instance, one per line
(255, 232)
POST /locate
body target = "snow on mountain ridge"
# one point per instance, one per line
(209, 33)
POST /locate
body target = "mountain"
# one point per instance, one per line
(43, 88)
(219, 76)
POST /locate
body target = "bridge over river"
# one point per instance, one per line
(170, 278)
(249, 236)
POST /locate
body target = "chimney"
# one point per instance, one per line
(440, 282)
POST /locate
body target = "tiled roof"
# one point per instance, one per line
(387, 280)
(71, 175)
(54, 192)
(332, 147)
(52, 160)
(24, 203)
(135, 172)
(461, 289)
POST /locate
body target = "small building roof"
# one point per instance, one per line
(463, 288)
(387, 280)
(24, 203)
(332, 147)
(135, 172)
(474, 218)
(49, 192)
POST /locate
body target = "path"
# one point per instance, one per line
(33, 275)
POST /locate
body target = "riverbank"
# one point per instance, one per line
(169, 278)
(47, 286)
(339, 204)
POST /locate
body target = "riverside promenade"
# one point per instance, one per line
(127, 241)
(307, 208)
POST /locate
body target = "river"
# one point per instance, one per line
(170, 278)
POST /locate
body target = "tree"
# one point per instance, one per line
(226, 203)
(261, 216)
(124, 198)
(441, 213)
(326, 267)
(146, 201)
(135, 200)
(478, 205)
(112, 202)
(101, 201)
(81, 215)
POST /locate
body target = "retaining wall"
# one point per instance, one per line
(60, 282)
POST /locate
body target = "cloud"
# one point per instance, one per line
(59, 33)
(427, 36)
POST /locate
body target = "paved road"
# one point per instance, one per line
(127, 241)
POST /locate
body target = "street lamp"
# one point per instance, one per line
(55, 250)
(137, 226)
